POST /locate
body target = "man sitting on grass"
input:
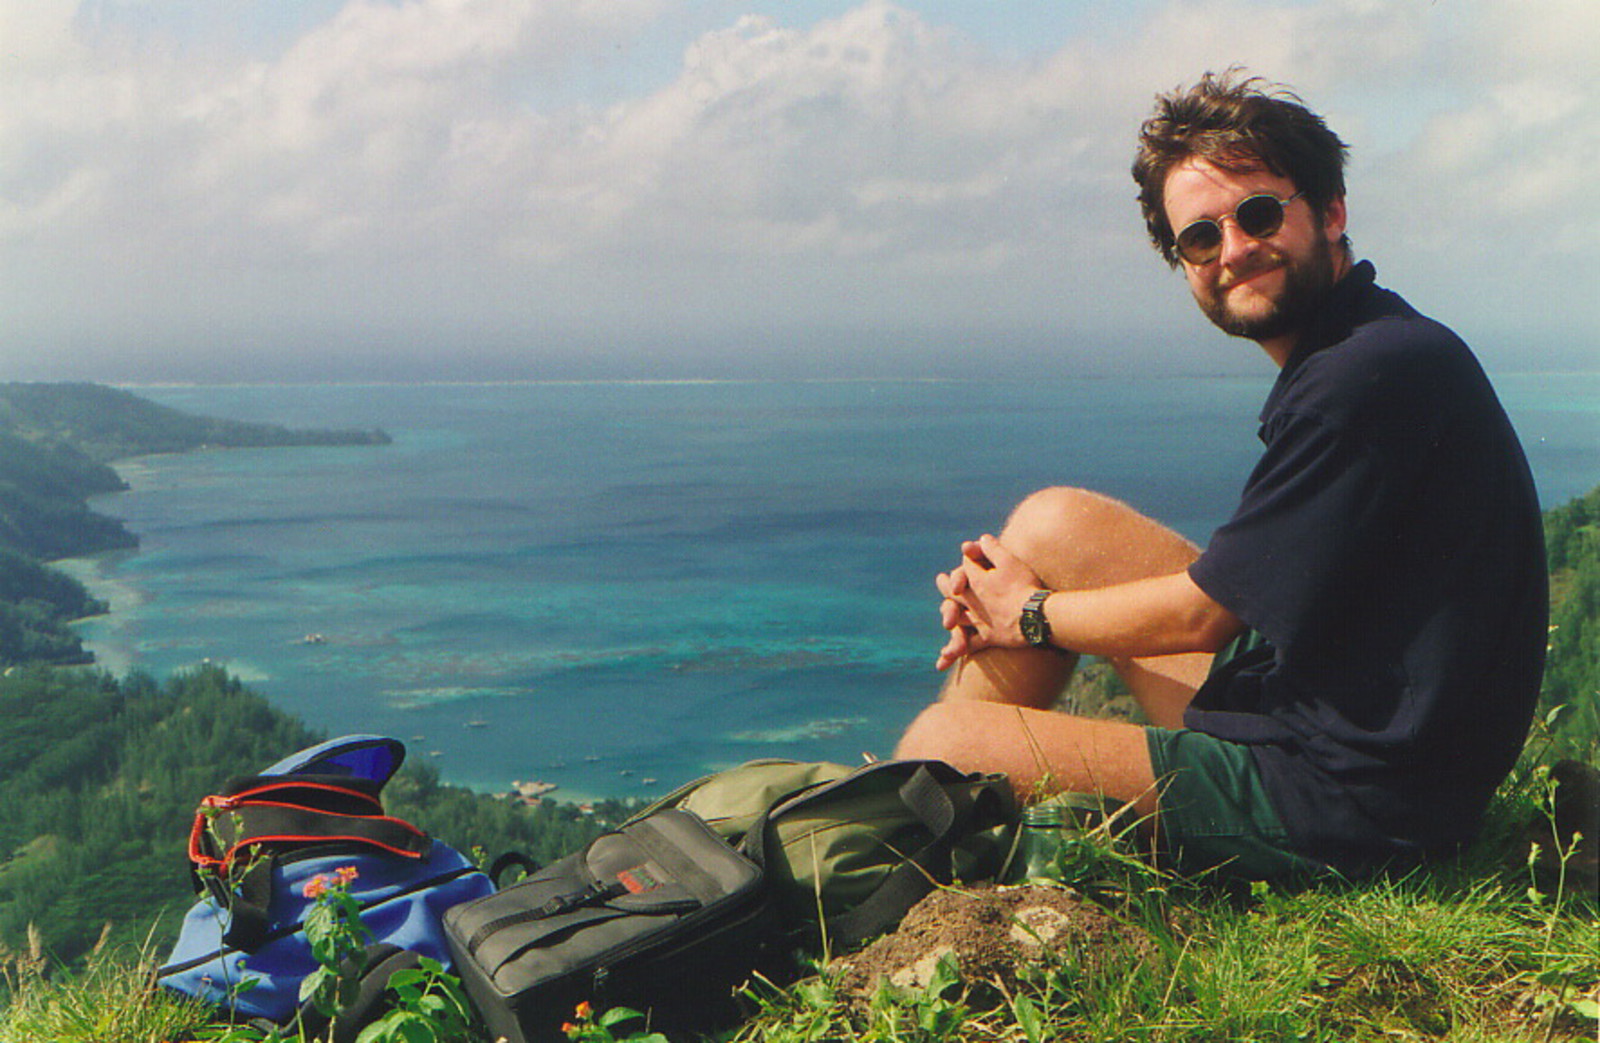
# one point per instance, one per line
(1347, 670)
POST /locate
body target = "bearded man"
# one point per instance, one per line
(1343, 675)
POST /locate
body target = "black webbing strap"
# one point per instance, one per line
(595, 894)
(944, 814)
(250, 823)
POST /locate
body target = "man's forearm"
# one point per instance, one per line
(1164, 615)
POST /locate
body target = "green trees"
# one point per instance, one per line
(99, 778)
(36, 603)
(1572, 671)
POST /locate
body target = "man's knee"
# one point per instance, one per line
(1078, 538)
(1049, 518)
(936, 734)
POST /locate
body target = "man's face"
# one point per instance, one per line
(1262, 289)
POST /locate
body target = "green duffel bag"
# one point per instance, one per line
(848, 851)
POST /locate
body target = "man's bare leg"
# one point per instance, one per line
(1040, 751)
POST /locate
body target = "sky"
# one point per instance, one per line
(267, 190)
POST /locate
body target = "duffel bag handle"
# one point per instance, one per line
(943, 812)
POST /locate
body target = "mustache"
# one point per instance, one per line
(1235, 277)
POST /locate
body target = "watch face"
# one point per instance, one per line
(1034, 623)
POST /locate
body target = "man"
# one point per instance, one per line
(1386, 557)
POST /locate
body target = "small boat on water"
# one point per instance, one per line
(531, 792)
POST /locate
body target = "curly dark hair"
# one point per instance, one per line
(1239, 125)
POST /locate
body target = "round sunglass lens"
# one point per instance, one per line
(1200, 242)
(1260, 216)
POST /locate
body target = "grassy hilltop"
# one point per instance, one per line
(99, 775)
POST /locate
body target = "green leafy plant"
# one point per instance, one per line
(431, 1007)
(338, 942)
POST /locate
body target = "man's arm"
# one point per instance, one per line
(1159, 616)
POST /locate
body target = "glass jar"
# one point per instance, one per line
(1047, 828)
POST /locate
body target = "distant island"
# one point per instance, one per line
(56, 445)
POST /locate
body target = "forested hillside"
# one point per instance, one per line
(55, 441)
(43, 489)
(36, 604)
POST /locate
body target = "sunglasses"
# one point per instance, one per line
(1258, 216)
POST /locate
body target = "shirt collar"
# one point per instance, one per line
(1331, 323)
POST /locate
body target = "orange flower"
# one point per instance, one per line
(584, 1011)
(346, 874)
(316, 887)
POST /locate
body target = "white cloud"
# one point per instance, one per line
(429, 162)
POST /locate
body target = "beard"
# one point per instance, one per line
(1305, 284)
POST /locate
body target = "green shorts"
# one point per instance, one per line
(1215, 813)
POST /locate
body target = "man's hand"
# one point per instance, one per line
(983, 599)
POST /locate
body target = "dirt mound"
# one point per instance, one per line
(989, 931)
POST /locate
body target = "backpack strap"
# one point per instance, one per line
(941, 813)
(280, 812)
(507, 861)
(272, 813)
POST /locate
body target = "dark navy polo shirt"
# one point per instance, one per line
(1389, 546)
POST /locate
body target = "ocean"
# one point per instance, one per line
(616, 587)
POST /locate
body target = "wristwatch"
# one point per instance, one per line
(1035, 626)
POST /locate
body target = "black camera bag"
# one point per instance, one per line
(660, 915)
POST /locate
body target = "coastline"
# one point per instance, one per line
(100, 633)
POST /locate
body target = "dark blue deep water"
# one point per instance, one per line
(615, 587)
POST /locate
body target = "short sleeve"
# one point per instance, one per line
(1287, 558)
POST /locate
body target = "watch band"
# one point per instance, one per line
(1035, 624)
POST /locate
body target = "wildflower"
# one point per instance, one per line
(316, 887)
(583, 1011)
(346, 874)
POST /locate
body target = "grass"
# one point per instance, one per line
(112, 999)
(1448, 954)
(1474, 949)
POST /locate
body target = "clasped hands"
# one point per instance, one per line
(983, 599)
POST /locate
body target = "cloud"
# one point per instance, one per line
(436, 165)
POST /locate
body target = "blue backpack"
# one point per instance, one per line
(257, 845)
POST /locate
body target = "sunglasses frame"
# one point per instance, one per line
(1283, 206)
